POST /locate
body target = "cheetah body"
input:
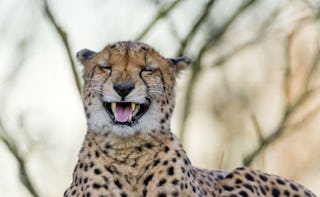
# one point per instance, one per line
(137, 155)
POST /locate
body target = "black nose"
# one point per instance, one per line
(123, 89)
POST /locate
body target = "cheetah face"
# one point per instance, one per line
(129, 88)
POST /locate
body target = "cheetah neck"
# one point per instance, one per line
(130, 157)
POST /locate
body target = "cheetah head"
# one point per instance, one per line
(129, 88)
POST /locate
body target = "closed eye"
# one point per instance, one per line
(149, 69)
(105, 67)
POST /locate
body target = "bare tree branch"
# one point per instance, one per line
(162, 13)
(290, 109)
(257, 127)
(260, 35)
(205, 13)
(196, 67)
(64, 38)
(21, 160)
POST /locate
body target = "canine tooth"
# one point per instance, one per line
(136, 109)
(133, 106)
(130, 118)
(113, 106)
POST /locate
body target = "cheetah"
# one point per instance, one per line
(129, 149)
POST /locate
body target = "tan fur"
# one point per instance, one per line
(146, 159)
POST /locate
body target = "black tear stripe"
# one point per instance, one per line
(93, 72)
(145, 83)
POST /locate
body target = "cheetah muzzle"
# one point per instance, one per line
(129, 149)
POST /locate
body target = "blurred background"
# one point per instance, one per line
(250, 98)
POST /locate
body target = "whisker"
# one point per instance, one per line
(98, 90)
(155, 92)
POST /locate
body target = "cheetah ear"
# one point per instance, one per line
(180, 63)
(85, 54)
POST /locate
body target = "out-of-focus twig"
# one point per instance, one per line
(214, 37)
(260, 35)
(290, 108)
(64, 37)
(257, 127)
(21, 160)
(195, 27)
(161, 13)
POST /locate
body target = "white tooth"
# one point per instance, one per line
(113, 106)
(133, 106)
(136, 110)
(130, 118)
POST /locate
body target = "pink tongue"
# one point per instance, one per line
(122, 113)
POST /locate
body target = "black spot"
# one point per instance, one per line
(97, 154)
(166, 149)
(175, 193)
(244, 194)
(139, 148)
(156, 162)
(85, 180)
(228, 188)
(178, 154)
(287, 193)
(263, 177)
(249, 177)
(249, 187)
(307, 193)
(186, 161)
(220, 176)
(162, 194)
(123, 194)
(97, 171)
(170, 171)
(108, 169)
(275, 192)
(263, 190)
(148, 145)
(118, 184)
(230, 176)
(294, 187)
(147, 180)
(105, 187)
(144, 192)
(238, 181)
(96, 186)
(162, 182)
(167, 115)
(175, 181)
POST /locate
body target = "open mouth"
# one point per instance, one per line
(126, 113)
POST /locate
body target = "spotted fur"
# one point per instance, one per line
(145, 158)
